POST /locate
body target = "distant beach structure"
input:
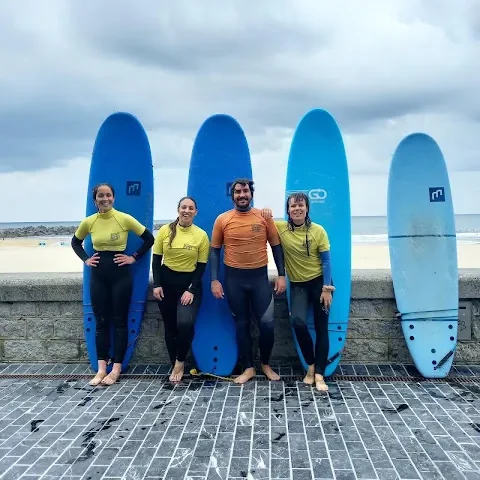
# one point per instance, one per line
(46, 229)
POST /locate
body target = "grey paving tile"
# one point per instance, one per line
(387, 474)
(208, 429)
(15, 472)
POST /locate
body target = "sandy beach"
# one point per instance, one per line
(20, 255)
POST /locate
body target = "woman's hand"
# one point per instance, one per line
(326, 299)
(93, 260)
(158, 293)
(187, 298)
(121, 259)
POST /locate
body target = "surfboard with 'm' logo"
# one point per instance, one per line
(121, 157)
(423, 253)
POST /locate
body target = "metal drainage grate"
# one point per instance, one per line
(385, 378)
(285, 378)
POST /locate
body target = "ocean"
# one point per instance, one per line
(364, 229)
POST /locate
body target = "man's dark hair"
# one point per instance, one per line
(242, 182)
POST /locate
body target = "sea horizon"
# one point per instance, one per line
(365, 228)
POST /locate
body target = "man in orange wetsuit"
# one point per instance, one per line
(244, 233)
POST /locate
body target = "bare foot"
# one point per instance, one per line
(320, 383)
(245, 376)
(177, 373)
(97, 378)
(112, 377)
(270, 374)
(310, 376)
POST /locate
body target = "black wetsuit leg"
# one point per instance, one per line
(299, 313)
(178, 319)
(263, 309)
(111, 290)
(100, 296)
(301, 294)
(245, 290)
(168, 309)
(121, 294)
(186, 315)
(320, 317)
(237, 293)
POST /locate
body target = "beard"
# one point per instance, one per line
(242, 207)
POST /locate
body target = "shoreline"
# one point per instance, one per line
(54, 255)
(44, 231)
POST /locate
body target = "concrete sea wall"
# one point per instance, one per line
(41, 320)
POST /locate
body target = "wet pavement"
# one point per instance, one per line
(377, 422)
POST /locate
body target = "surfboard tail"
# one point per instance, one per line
(432, 341)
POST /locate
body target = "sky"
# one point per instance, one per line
(383, 72)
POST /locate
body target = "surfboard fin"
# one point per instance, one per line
(332, 359)
(443, 360)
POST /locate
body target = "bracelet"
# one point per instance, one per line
(328, 288)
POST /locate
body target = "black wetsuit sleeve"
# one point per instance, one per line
(148, 241)
(214, 263)
(157, 270)
(277, 252)
(78, 248)
(197, 277)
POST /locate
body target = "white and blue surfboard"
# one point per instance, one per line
(423, 253)
(317, 166)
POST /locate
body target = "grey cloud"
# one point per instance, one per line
(192, 38)
(175, 66)
(45, 135)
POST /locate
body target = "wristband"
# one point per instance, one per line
(328, 288)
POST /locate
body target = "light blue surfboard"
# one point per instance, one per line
(121, 157)
(220, 155)
(317, 166)
(423, 253)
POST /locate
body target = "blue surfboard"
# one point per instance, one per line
(317, 166)
(220, 155)
(121, 156)
(423, 253)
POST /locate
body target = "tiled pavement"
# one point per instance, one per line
(375, 427)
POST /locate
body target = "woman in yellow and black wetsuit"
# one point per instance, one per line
(183, 248)
(306, 247)
(111, 281)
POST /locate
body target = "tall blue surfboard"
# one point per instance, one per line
(220, 155)
(121, 156)
(423, 253)
(317, 166)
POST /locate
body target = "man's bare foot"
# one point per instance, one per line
(248, 374)
(112, 377)
(310, 376)
(269, 373)
(97, 378)
(177, 372)
(320, 383)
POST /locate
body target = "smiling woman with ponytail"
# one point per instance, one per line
(180, 255)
